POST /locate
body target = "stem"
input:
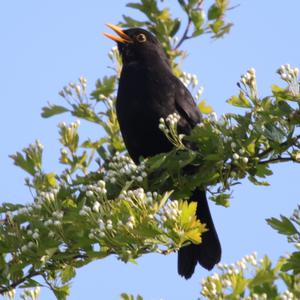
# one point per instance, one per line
(185, 34)
(276, 160)
(286, 143)
(21, 280)
(189, 23)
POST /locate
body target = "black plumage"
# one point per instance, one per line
(148, 91)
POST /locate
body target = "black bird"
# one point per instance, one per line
(148, 91)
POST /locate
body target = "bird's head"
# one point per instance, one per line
(138, 45)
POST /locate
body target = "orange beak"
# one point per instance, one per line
(122, 36)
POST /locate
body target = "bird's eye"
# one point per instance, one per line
(141, 38)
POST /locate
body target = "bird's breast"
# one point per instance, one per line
(143, 98)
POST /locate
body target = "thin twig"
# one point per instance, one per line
(186, 31)
(185, 34)
(17, 282)
(276, 160)
(267, 151)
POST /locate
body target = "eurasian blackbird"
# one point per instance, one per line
(148, 91)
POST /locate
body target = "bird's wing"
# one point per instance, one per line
(185, 105)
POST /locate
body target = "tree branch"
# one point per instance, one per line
(21, 280)
(189, 23)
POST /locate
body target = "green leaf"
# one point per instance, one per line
(197, 18)
(30, 283)
(205, 109)
(62, 292)
(222, 199)
(51, 110)
(263, 171)
(51, 179)
(214, 12)
(257, 182)
(126, 297)
(67, 274)
(130, 22)
(104, 88)
(293, 263)
(240, 101)
(26, 165)
(261, 277)
(175, 28)
(283, 225)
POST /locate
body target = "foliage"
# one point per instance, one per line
(101, 203)
(250, 279)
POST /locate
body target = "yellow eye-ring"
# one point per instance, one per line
(141, 38)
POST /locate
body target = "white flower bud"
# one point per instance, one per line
(113, 180)
(30, 244)
(35, 235)
(131, 219)
(89, 194)
(242, 151)
(56, 223)
(245, 160)
(129, 225)
(24, 248)
(96, 206)
(252, 71)
(139, 178)
(235, 156)
(284, 76)
(51, 234)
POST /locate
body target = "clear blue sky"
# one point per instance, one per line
(46, 44)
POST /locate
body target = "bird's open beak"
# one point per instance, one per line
(122, 36)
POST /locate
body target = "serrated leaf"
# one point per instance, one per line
(257, 182)
(274, 133)
(62, 292)
(222, 199)
(205, 109)
(282, 225)
(188, 210)
(67, 274)
(26, 165)
(104, 87)
(51, 110)
(261, 277)
(30, 283)
(240, 101)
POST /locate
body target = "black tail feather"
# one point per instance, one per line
(208, 253)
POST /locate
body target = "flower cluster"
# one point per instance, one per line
(96, 190)
(30, 294)
(232, 277)
(46, 197)
(122, 169)
(239, 156)
(287, 73)
(34, 235)
(170, 211)
(249, 80)
(169, 127)
(290, 75)
(189, 79)
(75, 89)
(199, 93)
